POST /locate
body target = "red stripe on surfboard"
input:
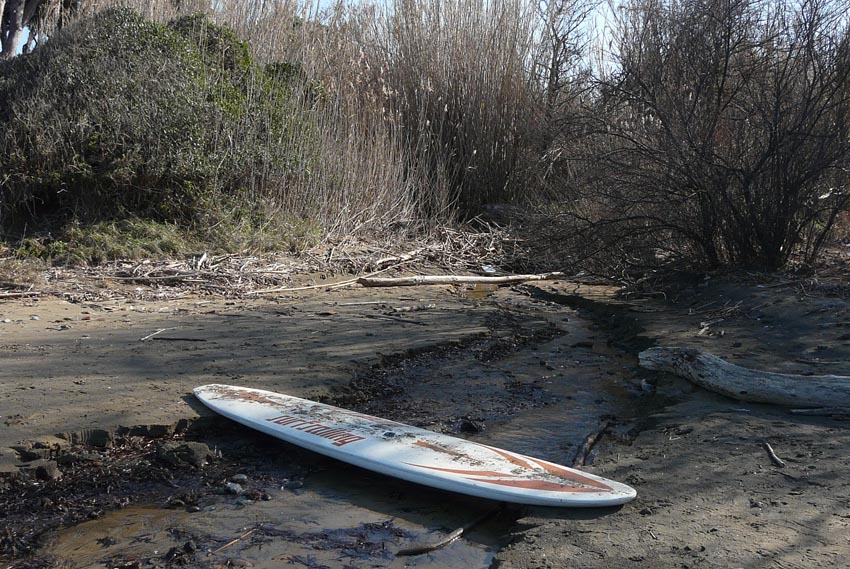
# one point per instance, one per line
(536, 485)
(510, 457)
(572, 475)
(500, 476)
(551, 468)
(438, 448)
(464, 472)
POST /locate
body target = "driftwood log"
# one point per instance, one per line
(734, 381)
(455, 279)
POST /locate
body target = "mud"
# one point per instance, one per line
(530, 368)
(495, 364)
(708, 493)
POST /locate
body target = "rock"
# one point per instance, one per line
(9, 463)
(470, 426)
(191, 453)
(42, 469)
(42, 447)
(75, 456)
(233, 488)
(150, 431)
(27, 453)
(90, 437)
(239, 478)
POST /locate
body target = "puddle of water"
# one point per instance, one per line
(343, 517)
(480, 291)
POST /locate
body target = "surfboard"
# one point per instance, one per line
(411, 453)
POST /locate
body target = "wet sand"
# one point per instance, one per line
(708, 494)
(528, 368)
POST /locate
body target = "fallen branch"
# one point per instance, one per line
(18, 294)
(414, 308)
(823, 411)
(152, 334)
(396, 318)
(589, 443)
(308, 287)
(383, 262)
(772, 455)
(715, 374)
(340, 284)
(427, 548)
(454, 279)
(448, 538)
(233, 541)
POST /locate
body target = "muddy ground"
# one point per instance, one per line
(140, 475)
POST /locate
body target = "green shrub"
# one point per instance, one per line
(118, 117)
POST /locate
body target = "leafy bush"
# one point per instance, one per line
(118, 117)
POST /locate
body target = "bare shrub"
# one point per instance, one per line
(723, 133)
(454, 75)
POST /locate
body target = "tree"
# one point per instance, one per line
(559, 65)
(726, 130)
(40, 16)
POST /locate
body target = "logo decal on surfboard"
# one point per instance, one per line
(340, 437)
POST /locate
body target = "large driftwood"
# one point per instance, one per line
(455, 279)
(734, 381)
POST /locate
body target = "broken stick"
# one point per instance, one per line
(823, 411)
(448, 538)
(233, 541)
(589, 443)
(454, 279)
(152, 334)
(772, 455)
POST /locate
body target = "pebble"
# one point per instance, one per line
(193, 509)
(239, 478)
(233, 488)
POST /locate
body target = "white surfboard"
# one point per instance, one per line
(411, 453)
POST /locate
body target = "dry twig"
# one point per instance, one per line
(447, 539)
(589, 443)
(772, 455)
(233, 541)
(152, 334)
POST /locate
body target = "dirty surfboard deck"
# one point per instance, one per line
(413, 454)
